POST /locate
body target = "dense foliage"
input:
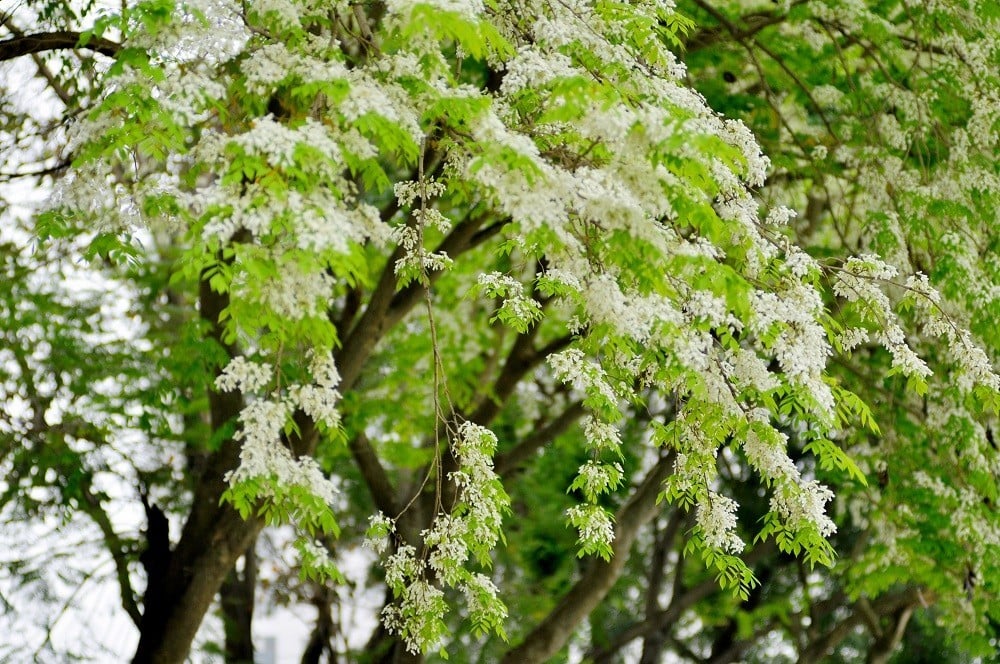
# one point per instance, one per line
(510, 292)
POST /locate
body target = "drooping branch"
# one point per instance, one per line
(552, 633)
(41, 42)
(386, 308)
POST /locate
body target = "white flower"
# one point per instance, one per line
(594, 525)
(243, 375)
(852, 337)
(716, 517)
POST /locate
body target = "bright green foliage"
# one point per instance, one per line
(535, 276)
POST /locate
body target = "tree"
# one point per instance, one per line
(482, 271)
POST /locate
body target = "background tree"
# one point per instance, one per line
(441, 262)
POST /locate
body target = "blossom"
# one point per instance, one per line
(716, 519)
(244, 375)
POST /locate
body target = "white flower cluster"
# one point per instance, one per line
(633, 315)
(595, 528)
(858, 283)
(532, 69)
(801, 347)
(975, 367)
(799, 502)
(799, 263)
(481, 597)
(768, 454)
(803, 504)
(245, 376)
(416, 616)
(480, 490)
(380, 527)
(468, 9)
(601, 436)
(572, 367)
(294, 295)
(471, 529)
(747, 369)
(273, 63)
(417, 261)
(446, 540)
(594, 478)
(716, 518)
(852, 337)
(516, 309)
(408, 191)
(263, 454)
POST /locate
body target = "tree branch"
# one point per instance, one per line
(508, 463)
(551, 634)
(523, 357)
(53, 41)
(681, 601)
(376, 479)
(116, 547)
(888, 604)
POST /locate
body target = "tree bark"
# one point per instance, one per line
(324, 629)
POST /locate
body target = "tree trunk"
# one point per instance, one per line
(197, 571)
(237, 600)
(214, 535)
(324, 630)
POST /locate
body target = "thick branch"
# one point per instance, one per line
(385, 309)
(376, 479)
(523, 357)
(53, 41)
(509, 462)
(554, 631)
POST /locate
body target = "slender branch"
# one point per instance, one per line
(888, 604)
(754, 23)
(43, 69)
(116, 547)
(385, 309)
(50, 170)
